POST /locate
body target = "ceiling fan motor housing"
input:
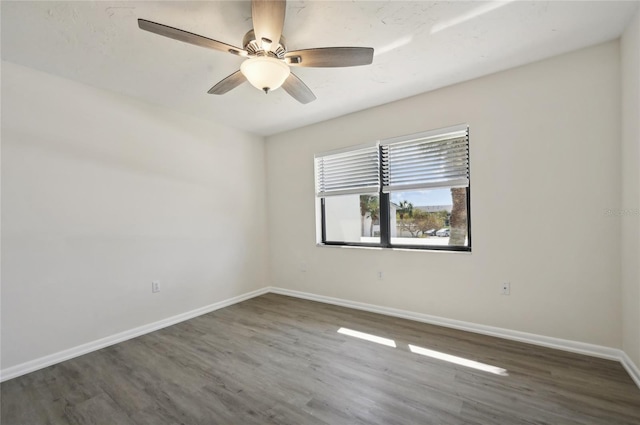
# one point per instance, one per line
(254, 48)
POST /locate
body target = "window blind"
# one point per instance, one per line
(351, 171)
(433, 159)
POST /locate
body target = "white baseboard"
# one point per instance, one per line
(42, 362)
(631, 367)
(544, 341)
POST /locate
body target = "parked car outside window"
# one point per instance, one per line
(443, 233)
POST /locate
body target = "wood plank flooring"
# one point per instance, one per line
(280, 360)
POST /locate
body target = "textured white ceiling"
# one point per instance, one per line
(420, 46)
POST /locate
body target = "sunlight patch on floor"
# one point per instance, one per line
(426, 352)
(458, 360)
(373, 338)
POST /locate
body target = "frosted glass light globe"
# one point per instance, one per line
(265, 73)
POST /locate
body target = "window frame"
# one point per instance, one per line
(385, 222)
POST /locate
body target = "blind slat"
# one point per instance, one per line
(426, 174)
(351, 172)
(432, 141)
(351, 182)
(346, 169)
(424, 164)
(332, 163)
(432, 161)
(434, 185)
(427, 153)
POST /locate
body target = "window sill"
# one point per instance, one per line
(380, 248)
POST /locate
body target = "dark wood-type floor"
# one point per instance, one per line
(280, 360)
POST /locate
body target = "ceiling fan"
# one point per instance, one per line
(267, 64)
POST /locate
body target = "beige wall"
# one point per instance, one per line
(102, 194)
(545, 168)
(630, 217)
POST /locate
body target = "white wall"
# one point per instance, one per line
(630, 212)
(545, 168)
(103, 194)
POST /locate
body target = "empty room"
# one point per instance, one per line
(320, 212)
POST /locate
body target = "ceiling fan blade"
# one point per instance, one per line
(327, 57)
(268, 21)
(298, 90)
(189, 37)
(229, 83)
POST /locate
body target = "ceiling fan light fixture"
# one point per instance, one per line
(267, 61)
(265, 73)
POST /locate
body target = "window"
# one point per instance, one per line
(405, 192)
(352, 218)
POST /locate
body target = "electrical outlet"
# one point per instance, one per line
(505, 289)
(379, 275)
(155, 286)
(304, 267)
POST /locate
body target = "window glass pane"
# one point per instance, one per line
(429, 217)
(352, 218)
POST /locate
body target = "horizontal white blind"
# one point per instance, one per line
(436, 159)
(348, 172)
